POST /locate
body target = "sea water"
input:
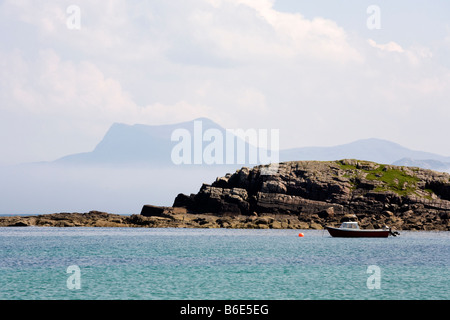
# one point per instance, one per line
(220, 264)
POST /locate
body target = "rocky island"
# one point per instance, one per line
(300, 195)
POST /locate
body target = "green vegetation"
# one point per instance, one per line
(347, 167)
(394, 179)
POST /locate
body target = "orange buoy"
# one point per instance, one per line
(301, 235)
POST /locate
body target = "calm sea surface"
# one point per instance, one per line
(220, 264)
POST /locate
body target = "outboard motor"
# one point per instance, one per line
(391, 232)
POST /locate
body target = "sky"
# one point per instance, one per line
(322, 72)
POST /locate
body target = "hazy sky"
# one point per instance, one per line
(313, 69)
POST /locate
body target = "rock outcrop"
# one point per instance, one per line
(326, 192)
(89, 219)
(300, 195)
(166, 217)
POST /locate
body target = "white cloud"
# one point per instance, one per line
(252, 31)
(389, 47)
(72, 98)
(240, 62)
(235, 30)
(45, 16)
(415, 54)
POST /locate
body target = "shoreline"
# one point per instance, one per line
(180, 218)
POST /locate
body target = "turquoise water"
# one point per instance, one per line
(220, 264)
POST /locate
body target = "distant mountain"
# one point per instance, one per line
(132, 165)
(130, 144)
(425, 164)
(377, 150)
(141, 144)
(152, 146)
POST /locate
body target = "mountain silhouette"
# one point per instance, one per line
(152, 145)
(377, 150)
(132, 166)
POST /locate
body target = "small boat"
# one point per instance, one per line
(351, 230)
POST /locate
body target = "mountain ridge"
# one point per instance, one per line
(152, 145)
(371, 149)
